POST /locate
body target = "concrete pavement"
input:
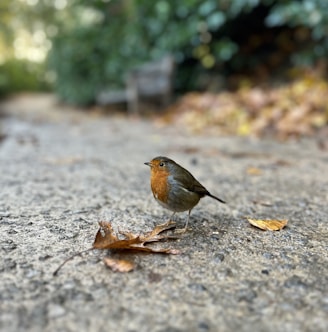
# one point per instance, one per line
(63, 170)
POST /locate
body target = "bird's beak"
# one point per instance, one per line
(148, 164)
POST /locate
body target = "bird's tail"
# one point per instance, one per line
(217, 198)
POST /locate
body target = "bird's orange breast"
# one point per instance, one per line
(159, 185)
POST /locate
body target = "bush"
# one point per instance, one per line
(208, 39)
(21, 75)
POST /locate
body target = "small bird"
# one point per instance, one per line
(174, 187)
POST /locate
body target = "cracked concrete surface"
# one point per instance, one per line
(64, 170)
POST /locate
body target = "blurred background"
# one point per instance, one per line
(247, 67)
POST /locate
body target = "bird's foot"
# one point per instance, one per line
(181, 230)
(168, 224)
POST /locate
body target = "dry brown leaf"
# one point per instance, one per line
(119, 265)
(107, 239)
(293, 109)
(268, 224)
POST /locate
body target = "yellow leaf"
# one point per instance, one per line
(268, 224)
(254, 171)
(244, 129)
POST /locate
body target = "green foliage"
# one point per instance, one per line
(310, 14)
(20, 75)
(104, 39)
(17, 16)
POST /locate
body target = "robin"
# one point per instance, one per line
(174, 187)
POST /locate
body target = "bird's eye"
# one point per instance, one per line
(161, 164)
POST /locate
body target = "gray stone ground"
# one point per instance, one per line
(62, 171)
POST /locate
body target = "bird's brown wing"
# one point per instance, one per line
(187, 181)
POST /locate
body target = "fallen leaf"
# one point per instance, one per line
(119, 265)
(263, 203)
(268, 224)
(281, 162)
(254, 171)
(294, 109)
(190, 149)
(107, 239)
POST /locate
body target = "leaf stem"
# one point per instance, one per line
(70, 258)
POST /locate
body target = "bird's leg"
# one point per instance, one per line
(170, 221)
(171, 218)
(184, 229)
(187, 223)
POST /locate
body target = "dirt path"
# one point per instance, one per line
(63, 170)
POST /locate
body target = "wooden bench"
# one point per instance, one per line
(152, 80)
